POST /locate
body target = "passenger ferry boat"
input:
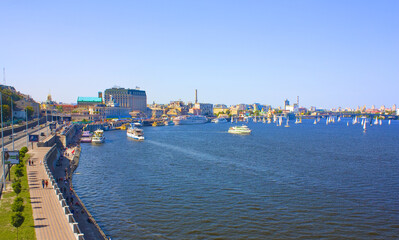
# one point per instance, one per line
(86, 137)
(240, 130)
(98, 136)
(190, 119)
(135, 133)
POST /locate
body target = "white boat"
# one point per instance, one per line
(98, 136)
(135, 133)
(380, 122)
(190, 119)
(389, 122)
(240, 130)
(315, 121)
(219, 120)
(376, 121)
(86, 137)
(365, 126)
(138, 124)
(347, 123)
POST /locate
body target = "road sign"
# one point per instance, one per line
(33, 138)
(11, 157)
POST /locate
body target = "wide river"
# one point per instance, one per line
(200, 182)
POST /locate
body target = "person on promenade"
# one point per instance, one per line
(46, 183)
(43, 183)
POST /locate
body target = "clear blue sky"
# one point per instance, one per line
(330, 53)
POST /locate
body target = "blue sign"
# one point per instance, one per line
(33, 138)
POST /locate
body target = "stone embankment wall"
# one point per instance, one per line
(48, 141)
(68, 137)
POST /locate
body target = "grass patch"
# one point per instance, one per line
(27, 230)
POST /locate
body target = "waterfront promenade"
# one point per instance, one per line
(49, 219)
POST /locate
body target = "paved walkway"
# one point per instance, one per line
(50, 221)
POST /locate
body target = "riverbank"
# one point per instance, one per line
(64, 168)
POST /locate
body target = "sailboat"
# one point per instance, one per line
(315, 121)
(389, 122)
(364, 126)
(376, 121)
(347, 123)
(339, 119)
(380, 122)
(269, 120)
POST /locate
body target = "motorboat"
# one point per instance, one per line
(219, 120)
(98, 136)
(86, 137)
(135, 133)
(240, 130)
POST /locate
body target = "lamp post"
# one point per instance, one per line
(2, 143)
(12, 124)
(26, 120)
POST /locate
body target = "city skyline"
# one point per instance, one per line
(331, 54)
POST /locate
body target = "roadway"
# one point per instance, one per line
(19, 142)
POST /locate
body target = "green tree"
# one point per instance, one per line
(6, 112)
(30, 111)
(24, 149)
(60, 109)
(17, 220)
(17, 206)
(19, 171)
(16, 186)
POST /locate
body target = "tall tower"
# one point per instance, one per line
(196, 96)
(297, 100)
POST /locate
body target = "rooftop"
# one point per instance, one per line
(90, 99)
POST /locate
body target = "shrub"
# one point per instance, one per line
(17, 206)
(17, 187)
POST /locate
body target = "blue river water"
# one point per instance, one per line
(200, 182)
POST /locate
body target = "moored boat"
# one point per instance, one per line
(86, 137)
(98, 136)
(190, 119)
(219, 120)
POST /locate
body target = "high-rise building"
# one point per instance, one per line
(134, 99)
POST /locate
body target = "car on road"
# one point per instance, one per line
(42, 134)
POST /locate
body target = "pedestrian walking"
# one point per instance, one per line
(46, 183)
(43, 183)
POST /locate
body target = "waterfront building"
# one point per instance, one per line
(109, 112)
(219, 108)
(134, 99)
(236, 109)
(290, 108)
(205, 109)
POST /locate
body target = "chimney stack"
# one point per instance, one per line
(196, 99)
